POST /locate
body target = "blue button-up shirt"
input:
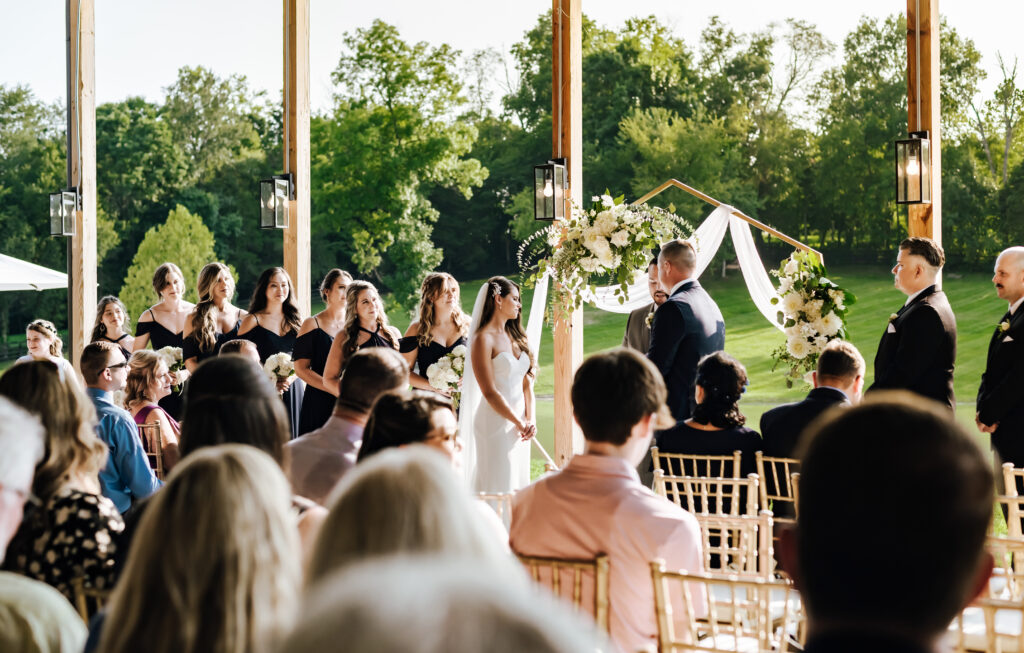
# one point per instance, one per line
(127, 474)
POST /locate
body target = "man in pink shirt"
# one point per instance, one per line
(597, 504)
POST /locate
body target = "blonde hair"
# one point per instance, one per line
(204, 326)
(47, 328)
(351, 327)
(433, 285)
(67, 414)
(142, 374)
(215, 565)
(404, 500)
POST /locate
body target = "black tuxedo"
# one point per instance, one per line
(1002, 390)
(782, 426)
(918, 349)
(686, 328)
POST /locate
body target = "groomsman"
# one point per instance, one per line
(638, 326)
(687, 327)
(1001, 395)
(918, 347)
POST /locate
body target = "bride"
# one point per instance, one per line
(502, 364)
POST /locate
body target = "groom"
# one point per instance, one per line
(687, 327)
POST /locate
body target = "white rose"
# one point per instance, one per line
(589, 264)
(606, 223)
(820, 342)
(791, 267)
(813, 308)
(460, 351)
(444, 364)
(830, 324)
(797, 348)
(600, 248)
(785, 285)
(792, 303)
(607, 201)
(818, 326)
(620, 238)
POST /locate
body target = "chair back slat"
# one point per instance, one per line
(715, 496)
(150, 436)
(776, 487)
(685, 464)
(88, 600)
(501, 503)
(740, 544)
(553, 568)
(990, 625)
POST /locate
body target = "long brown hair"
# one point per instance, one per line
(290, 310)
(501, 287)
(162, 277)
(433, 286)
(98, 328)
(351, 327)
(204, 327)
(331, 278)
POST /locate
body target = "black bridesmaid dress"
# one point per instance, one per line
(190, 346)
(267, 344)
(160, 337)
(117, 341)
(427, 356)
(317, 405)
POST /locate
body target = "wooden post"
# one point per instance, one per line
(81, 135)
(567, 141)
(296, 147)
(923, 109)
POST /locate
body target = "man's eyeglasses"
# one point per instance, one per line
(121, 364)
(24, 495)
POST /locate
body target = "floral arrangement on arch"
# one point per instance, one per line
(812, 311)
(612, 239)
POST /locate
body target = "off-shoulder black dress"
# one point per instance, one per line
(269, 343)
(427, 356)
(317, 405)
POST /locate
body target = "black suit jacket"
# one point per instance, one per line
(782, 426)
(918, 352)
(1001, 395)
(686, 327)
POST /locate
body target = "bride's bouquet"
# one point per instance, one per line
(446, 374)
(175, 365)
(279, 367)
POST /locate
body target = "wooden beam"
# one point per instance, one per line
(923, 101)
(567, 141)
(81, 134)
(296, 147)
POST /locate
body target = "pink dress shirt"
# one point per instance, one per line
(321, 457)
(597, 505)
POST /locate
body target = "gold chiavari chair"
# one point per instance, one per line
(726, 613)
(989, 625)
(150, 436)
(1007, 581)
(501, 503)
(684, 464)
(738, 544)
(716, 496)
(776, 475)
(1012, 508)
(552, 573)
(1013, 478)
(88, 600)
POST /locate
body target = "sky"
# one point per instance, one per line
(140, 44)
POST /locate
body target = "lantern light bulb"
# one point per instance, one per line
(549, 190)
(913, 169)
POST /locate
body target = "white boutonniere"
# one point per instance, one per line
(1004, 326)
(893, 317)
(649, 320)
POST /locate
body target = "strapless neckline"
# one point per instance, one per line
(515, 358)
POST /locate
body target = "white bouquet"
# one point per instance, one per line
(175, 364)
(279, 367)
(446, 374)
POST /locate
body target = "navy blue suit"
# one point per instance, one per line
(686, 328)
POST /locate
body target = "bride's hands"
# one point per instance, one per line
(527, 430)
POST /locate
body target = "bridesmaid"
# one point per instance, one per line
(272, 325)
(149, 381)
(111, 316)
(214, 320)
(313, 345)
(163, 324)
(440, 327)
(366, 325)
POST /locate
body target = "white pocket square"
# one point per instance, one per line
(1008, 339)
(891, 328)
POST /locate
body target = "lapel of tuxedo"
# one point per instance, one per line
(997, 335)
(915, 301)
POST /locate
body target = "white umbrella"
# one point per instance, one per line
(16, 274)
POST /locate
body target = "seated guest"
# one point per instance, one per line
(402, 501)
(716, 428)
(447, 605)
(127, 476)
(242, 347)
(405, 417)
(213, 567)
(597, 505)
(875, 575)
(33, 616)
(148, 382)
(321, 457)
(74, 531)
(44, 344)
(837, 382)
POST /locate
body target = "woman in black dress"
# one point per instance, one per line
(110, 325)
(214, 320)
(313, 345)
(162, 325)
(366, 325)
(272, 325)
(440, 327)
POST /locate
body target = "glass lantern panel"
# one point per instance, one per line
(281, 203)
(559, 193)
(68, 213)
(926, 172)
(266, 204)
(56, 219)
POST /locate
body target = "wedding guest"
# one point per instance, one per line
(273, 324)
(440, 326)
(687, 327)
(320, 458)
(241, 347)
(74, 530)
(716, 427)
(163, 324)
(1000, 410)
(366, 326)
(403, 417)
(127, 476)
(110, 325)
(148, 382)
(918, 346)
(214, 565)
(312, 346)
(33, 616)
(597, 505)
(447, 604)
(427, 511)
(849, 550)
(214, 320)
(45, 344)
(638, 324)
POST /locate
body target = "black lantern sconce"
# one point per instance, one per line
(275, 193)
(550, 181)
(63, 206)
(914, 169)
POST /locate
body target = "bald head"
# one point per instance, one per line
(1009, 274)
(677, 261)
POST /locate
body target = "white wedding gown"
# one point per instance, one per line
(502, 458)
